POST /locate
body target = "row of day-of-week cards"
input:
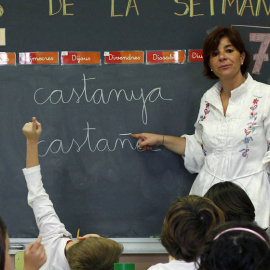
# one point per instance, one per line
(94, 58)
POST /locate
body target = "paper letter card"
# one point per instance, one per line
(195, 56)
(80, 58)
(7, 58)
(124, 57)
(165, 57)
(2, 37)
(39, 58)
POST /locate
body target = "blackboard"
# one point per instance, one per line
(97, 179)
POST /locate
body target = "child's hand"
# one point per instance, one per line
(32, 130)
(34, 255)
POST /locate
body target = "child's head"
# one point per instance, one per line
(4, 246)
(237, 246)
(232, 200)
(94, 253)
(187, 225)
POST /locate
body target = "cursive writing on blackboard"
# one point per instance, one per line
(100, 96)
(57, 145)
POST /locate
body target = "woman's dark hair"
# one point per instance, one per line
(236, 249)
(232, 200)
(3, 235)
(211, 44)
(187, 226)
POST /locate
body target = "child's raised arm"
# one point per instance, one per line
(32, 131)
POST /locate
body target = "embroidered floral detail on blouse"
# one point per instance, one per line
(206, 111)
(250, 128)
(204, 152)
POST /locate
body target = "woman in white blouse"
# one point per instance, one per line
(232, 133)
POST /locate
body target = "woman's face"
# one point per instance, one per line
(226, 61)
(7, 259)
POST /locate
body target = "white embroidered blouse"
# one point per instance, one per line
(235, 147)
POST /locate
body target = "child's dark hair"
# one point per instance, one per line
(232, 200)
(187, 226)
(237, 246)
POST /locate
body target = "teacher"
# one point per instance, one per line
(232, 133)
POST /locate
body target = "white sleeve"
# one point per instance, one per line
(194, 157)
(266, 159)
(47, 220)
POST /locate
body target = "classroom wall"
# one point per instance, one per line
(142, 261)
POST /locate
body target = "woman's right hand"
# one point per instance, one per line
(173, 143)
(147, 140)
(34, 255)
